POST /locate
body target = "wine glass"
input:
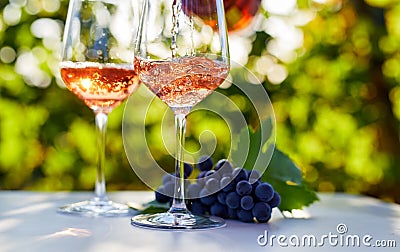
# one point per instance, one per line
(181, 55)
(97, 66)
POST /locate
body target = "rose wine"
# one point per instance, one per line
(182, 82)
(101, 86)
(238, 13)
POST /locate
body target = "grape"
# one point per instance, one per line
(197, 208)
(246, 202)
(224, 167)
(169, 188)
(275, 201)
(232, 200)
(239, 174)
(243, 188)
(217, 209)
(264, 192)
(160, 195)
(232, 213)
(254, 185)
(202, 174)
(221, 197)
(187, 170)
(201, 178)
(244, 215)
(212, 185)
(213, 174)
(209, 173)
(262, 212)
(193, 191)
(205, 163)
(206, 197)
(227, 184)
(254, 176)
(167, 178)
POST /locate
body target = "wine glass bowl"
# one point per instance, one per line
(97, 66)
(183, 82)
(181, 55)
(101, 87)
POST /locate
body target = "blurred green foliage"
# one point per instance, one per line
(337, 110)
(336, 99)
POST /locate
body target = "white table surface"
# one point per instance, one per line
(29, 222)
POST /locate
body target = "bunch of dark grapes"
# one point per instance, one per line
(220, 190)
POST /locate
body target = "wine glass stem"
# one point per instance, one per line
(178, 203)
(101, 128)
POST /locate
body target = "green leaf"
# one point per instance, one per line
(286, 178)
(282, 168)
(254, 147)
(150, 207)
(293, 196)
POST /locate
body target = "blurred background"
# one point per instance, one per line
(331, 68)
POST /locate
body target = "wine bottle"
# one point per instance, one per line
(238, 13)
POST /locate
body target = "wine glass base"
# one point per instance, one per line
(177, 221)
(96, 208)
